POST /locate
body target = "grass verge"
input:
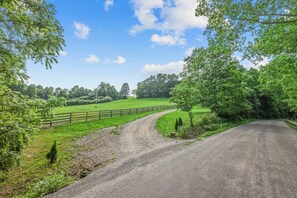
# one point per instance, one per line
(35, 167)
(225, 126)
(206, 124)
(291, 125)
(165, 124)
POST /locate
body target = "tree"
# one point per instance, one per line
(158, 86)
(278, 79)
(185, 97)
(270, 25)
(28, 30)
(259, 29)
(105, 89)
(31, 91)
(219, 78)
(125, 90)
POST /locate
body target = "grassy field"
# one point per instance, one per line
(34, 164)
(118, 104)
(165, 125)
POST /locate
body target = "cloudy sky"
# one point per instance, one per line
(120, 41)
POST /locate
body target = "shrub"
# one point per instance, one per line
(84, 101)
(180, 122)
(209, 122)
(49, 184)
(53, 154)
(176, 125)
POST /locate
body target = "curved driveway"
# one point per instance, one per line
(255, 160)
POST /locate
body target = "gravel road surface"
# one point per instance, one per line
(254, 160)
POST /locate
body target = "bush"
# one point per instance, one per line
(180, 122)
(47, 185)
(83, 101)
(176, 125)
(53, 154)
(209, 122)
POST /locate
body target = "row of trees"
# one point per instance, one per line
(76, 95)
(215, 78)
(158, 86)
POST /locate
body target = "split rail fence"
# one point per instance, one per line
(93, 115)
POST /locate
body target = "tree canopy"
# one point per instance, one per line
(158, 86)
(28, 30)
(261, 28)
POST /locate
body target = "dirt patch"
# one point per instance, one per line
(102, 147)
(96, 150)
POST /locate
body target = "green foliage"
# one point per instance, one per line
(158, 86)
(176, 125)
(278, 79)
(29, 30)
(52, 155)
(166, 129)
(49, 184)
(34, 164)
(272, 25)
(217, 79)
(258, 29)
(84, 102)
(185, 97)
(18, 122)
(180, 121)
(125, 90)
(105, 89)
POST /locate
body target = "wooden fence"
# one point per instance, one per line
(93, 115)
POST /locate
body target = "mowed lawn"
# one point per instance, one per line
(131, 102)
(165, 124)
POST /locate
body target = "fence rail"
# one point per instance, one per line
(97, 115)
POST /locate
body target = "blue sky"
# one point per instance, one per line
(120, 41)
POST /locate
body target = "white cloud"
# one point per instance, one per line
(63, 53)
(92, 59)
(119, 60)
(167, 40)
(189, 51)
(82, 31)
(175, 16)
(169, 68)
(108, 4)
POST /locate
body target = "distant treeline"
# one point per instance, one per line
(158, 86)
(76, 95)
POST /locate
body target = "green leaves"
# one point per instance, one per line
(28, 30)
(269, 24)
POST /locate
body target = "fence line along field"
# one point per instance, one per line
(131, 102)
(93, 115)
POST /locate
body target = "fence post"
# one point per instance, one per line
(70, 118)
(121, 112)
(111, 113)
(99, 115)
(87, 115)
(136, 111)
(129, 111)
